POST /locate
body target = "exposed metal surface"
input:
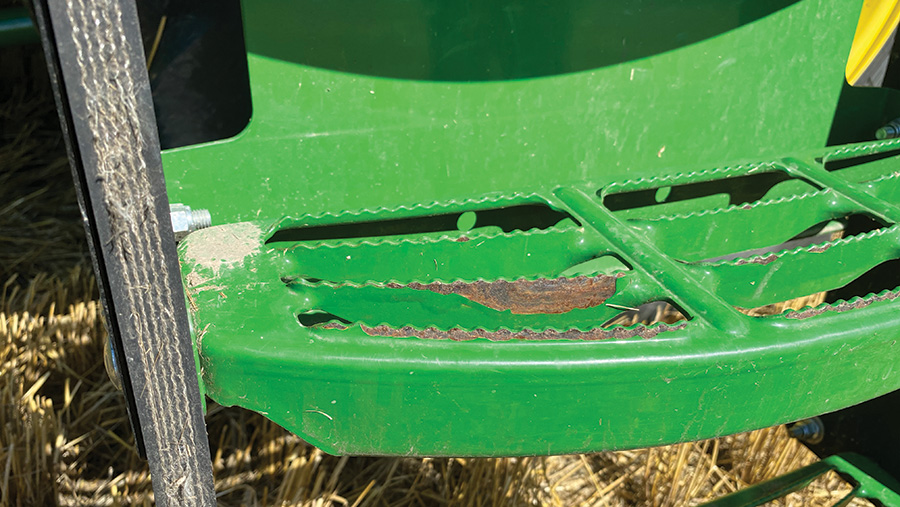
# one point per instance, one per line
(524, 334)
(761, 260)
(544, 295)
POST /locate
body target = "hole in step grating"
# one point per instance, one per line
(820, 233)
(711, 194)
(318, 318)
(542, 296)
(647, 314)
(843, 163)
(524, 297)
(852, 225)
(881, 278)
(650, 313)
(782, 306)
(584, 285)
(826, 231)
(885, 276)
(522, 217)
(197, 69)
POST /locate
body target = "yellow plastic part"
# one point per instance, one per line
(876, 23)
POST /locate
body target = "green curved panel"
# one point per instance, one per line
(400, 115)
(327, 140)
(487, 40)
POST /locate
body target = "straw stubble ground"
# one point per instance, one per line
(65, 438)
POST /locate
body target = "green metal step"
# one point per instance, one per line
(460, 242)
(469, 316)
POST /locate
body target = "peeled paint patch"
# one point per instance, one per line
(209, 250)
(457, 334)
(759, 259)
(557, 295)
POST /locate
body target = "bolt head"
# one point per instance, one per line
(810, 431)
(182, 220)
(112, 366)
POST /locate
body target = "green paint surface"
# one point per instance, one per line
(387, 159)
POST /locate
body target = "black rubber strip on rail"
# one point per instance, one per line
(98, 72)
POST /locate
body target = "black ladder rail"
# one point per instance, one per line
(98, 70)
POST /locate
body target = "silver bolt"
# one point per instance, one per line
(112, 366)
(889, 131)
(810, 431)
(185, 220)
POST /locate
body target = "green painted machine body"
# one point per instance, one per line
(328, 141)
(428, 226)
(867, 480)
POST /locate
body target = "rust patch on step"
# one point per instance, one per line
(757, 260)
(544, 295)
(843, 306)
(457, 334)
(821, 248)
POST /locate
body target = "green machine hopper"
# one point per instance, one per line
(497, 228)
